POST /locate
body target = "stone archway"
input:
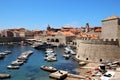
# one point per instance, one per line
(48, 40)
(52, 40)
(56, 40)
(100, 60)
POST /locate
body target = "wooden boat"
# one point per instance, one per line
(48, 68)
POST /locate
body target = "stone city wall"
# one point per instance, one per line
(97, 52)
(99, 41)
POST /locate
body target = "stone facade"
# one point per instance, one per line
(110, 28)
(57, 39)
(96, 50)
(104, 49)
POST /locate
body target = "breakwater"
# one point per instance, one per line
(10, 39)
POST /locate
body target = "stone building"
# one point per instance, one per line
(7, 33)
(26, 34)
(16, 34)
(57, 37)
(110, 28)
(106, 48)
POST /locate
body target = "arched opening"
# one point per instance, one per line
(57, 40)
(100, 60)
(52, 40)
(86, 58)
(48, 40)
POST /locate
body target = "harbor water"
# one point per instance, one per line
(31, 69)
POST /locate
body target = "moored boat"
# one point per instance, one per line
(2, 56)
(69, 50)
(50, 59)
(49, 50)
(67, 56)
(82, 63)
(13, 67)
(7, 51)
(4, 76)
(44, 45)
(17, 62)
(48, 68)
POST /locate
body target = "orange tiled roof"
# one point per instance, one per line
(98, 29)
(84, 35)
(50, 33)
(68, 33)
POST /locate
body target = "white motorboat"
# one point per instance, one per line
(48, 68)
(13, 67)
(66, 56)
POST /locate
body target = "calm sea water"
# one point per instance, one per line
(31, 70)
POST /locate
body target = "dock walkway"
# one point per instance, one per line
(60, 74)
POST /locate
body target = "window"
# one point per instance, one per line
(100, 60)
(86, 58)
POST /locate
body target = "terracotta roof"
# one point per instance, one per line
(68, 33)
(111, 17)
(97, 29)
(92, 36)
(51, 33)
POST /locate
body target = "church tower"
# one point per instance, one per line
(87, 27)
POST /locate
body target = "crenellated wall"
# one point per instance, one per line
(99, 41)
(96, 50)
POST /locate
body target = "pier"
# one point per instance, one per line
(21, 60)
(60, 74)
(75, 76)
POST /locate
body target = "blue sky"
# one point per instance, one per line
(37, 14)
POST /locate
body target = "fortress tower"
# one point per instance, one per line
(106, 48)
(110, 28)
